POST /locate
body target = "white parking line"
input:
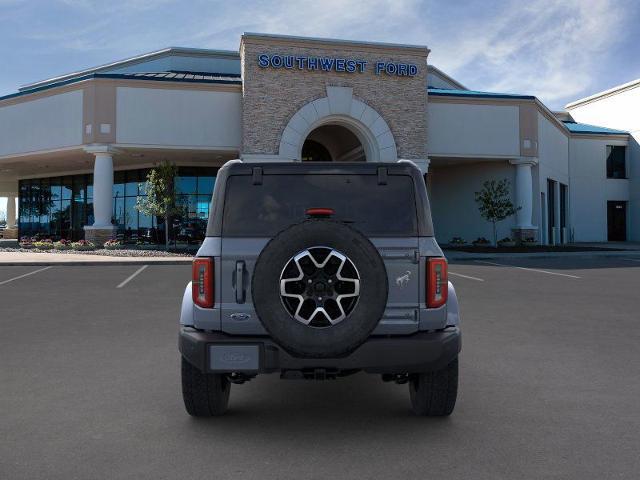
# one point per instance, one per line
(25, 275)
(132, 276)
(529, 269)
(466, 276)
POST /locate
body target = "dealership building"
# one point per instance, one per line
(74, 149)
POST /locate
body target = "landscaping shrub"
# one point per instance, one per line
(62, 245)
(46, 244)
(83, 245)
(113, 244)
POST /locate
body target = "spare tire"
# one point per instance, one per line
(319, 288)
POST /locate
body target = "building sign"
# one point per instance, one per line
(334, 64)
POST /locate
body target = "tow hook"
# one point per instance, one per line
(239, 378)
(399, 378)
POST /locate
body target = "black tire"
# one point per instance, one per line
(309, 341)
(204, 394)
(433, 394)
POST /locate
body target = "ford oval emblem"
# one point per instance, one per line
(240, 316)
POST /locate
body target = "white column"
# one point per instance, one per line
(11, 212)
(524, 192)
(102, 190)
(102, 229)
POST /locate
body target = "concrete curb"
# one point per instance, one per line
(91, 263)
(498, 256)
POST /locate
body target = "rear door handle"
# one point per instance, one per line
(240, 291)
(414, 255)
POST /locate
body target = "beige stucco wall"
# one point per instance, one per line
(473, 129)
(49, 122)
(272, 96)
(178, 117)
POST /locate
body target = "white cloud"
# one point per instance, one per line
(355, 19)
(542, 47)
(545, 48)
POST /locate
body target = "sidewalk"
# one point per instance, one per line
(616, 245)
(37, 259)
(455, 255)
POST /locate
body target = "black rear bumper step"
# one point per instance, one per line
(420, 352)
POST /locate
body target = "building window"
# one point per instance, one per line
(59, 207)
(616, 164)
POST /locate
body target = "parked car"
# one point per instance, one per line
(317, 271)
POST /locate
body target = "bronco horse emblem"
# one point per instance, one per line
(403, 280)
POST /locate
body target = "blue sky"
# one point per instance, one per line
(557, 50)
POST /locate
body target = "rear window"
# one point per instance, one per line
(281, 200)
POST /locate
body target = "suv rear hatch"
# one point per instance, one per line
(379, 203)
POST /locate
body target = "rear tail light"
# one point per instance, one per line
(437, 282)
(202, 282)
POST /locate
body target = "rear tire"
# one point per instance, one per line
(204, 394)
(433, 394)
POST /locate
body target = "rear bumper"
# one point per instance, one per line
(420, 352)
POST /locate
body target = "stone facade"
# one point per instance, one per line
(524, 234)
(9, 233)
(99, 236)
(272, 96)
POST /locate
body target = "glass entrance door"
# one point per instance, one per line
(617, 221)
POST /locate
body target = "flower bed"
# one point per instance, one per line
(130, 252)
(457, 242)
(112, 248)
(506, 242)
(62, 245)
(83, 245)
(481, 242)
(26, 242)
(113, 244)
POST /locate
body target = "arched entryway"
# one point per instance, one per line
(337, 126)
(332, 143)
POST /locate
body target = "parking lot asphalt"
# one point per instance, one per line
(549, 385)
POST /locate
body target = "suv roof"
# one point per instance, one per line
(238, 166)
(257, 170)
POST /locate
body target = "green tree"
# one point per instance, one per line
(494, 203)
(160, 199)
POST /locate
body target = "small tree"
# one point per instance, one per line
(160, 199)
(494, 203)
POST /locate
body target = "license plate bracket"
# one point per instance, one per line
(234, 358)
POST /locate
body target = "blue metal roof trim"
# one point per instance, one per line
(575, 127)
(444, 92)
(227, 79)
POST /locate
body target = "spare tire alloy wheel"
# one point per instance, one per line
(320, 286)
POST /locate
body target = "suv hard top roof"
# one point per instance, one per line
(240, 167)
(258, 169)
